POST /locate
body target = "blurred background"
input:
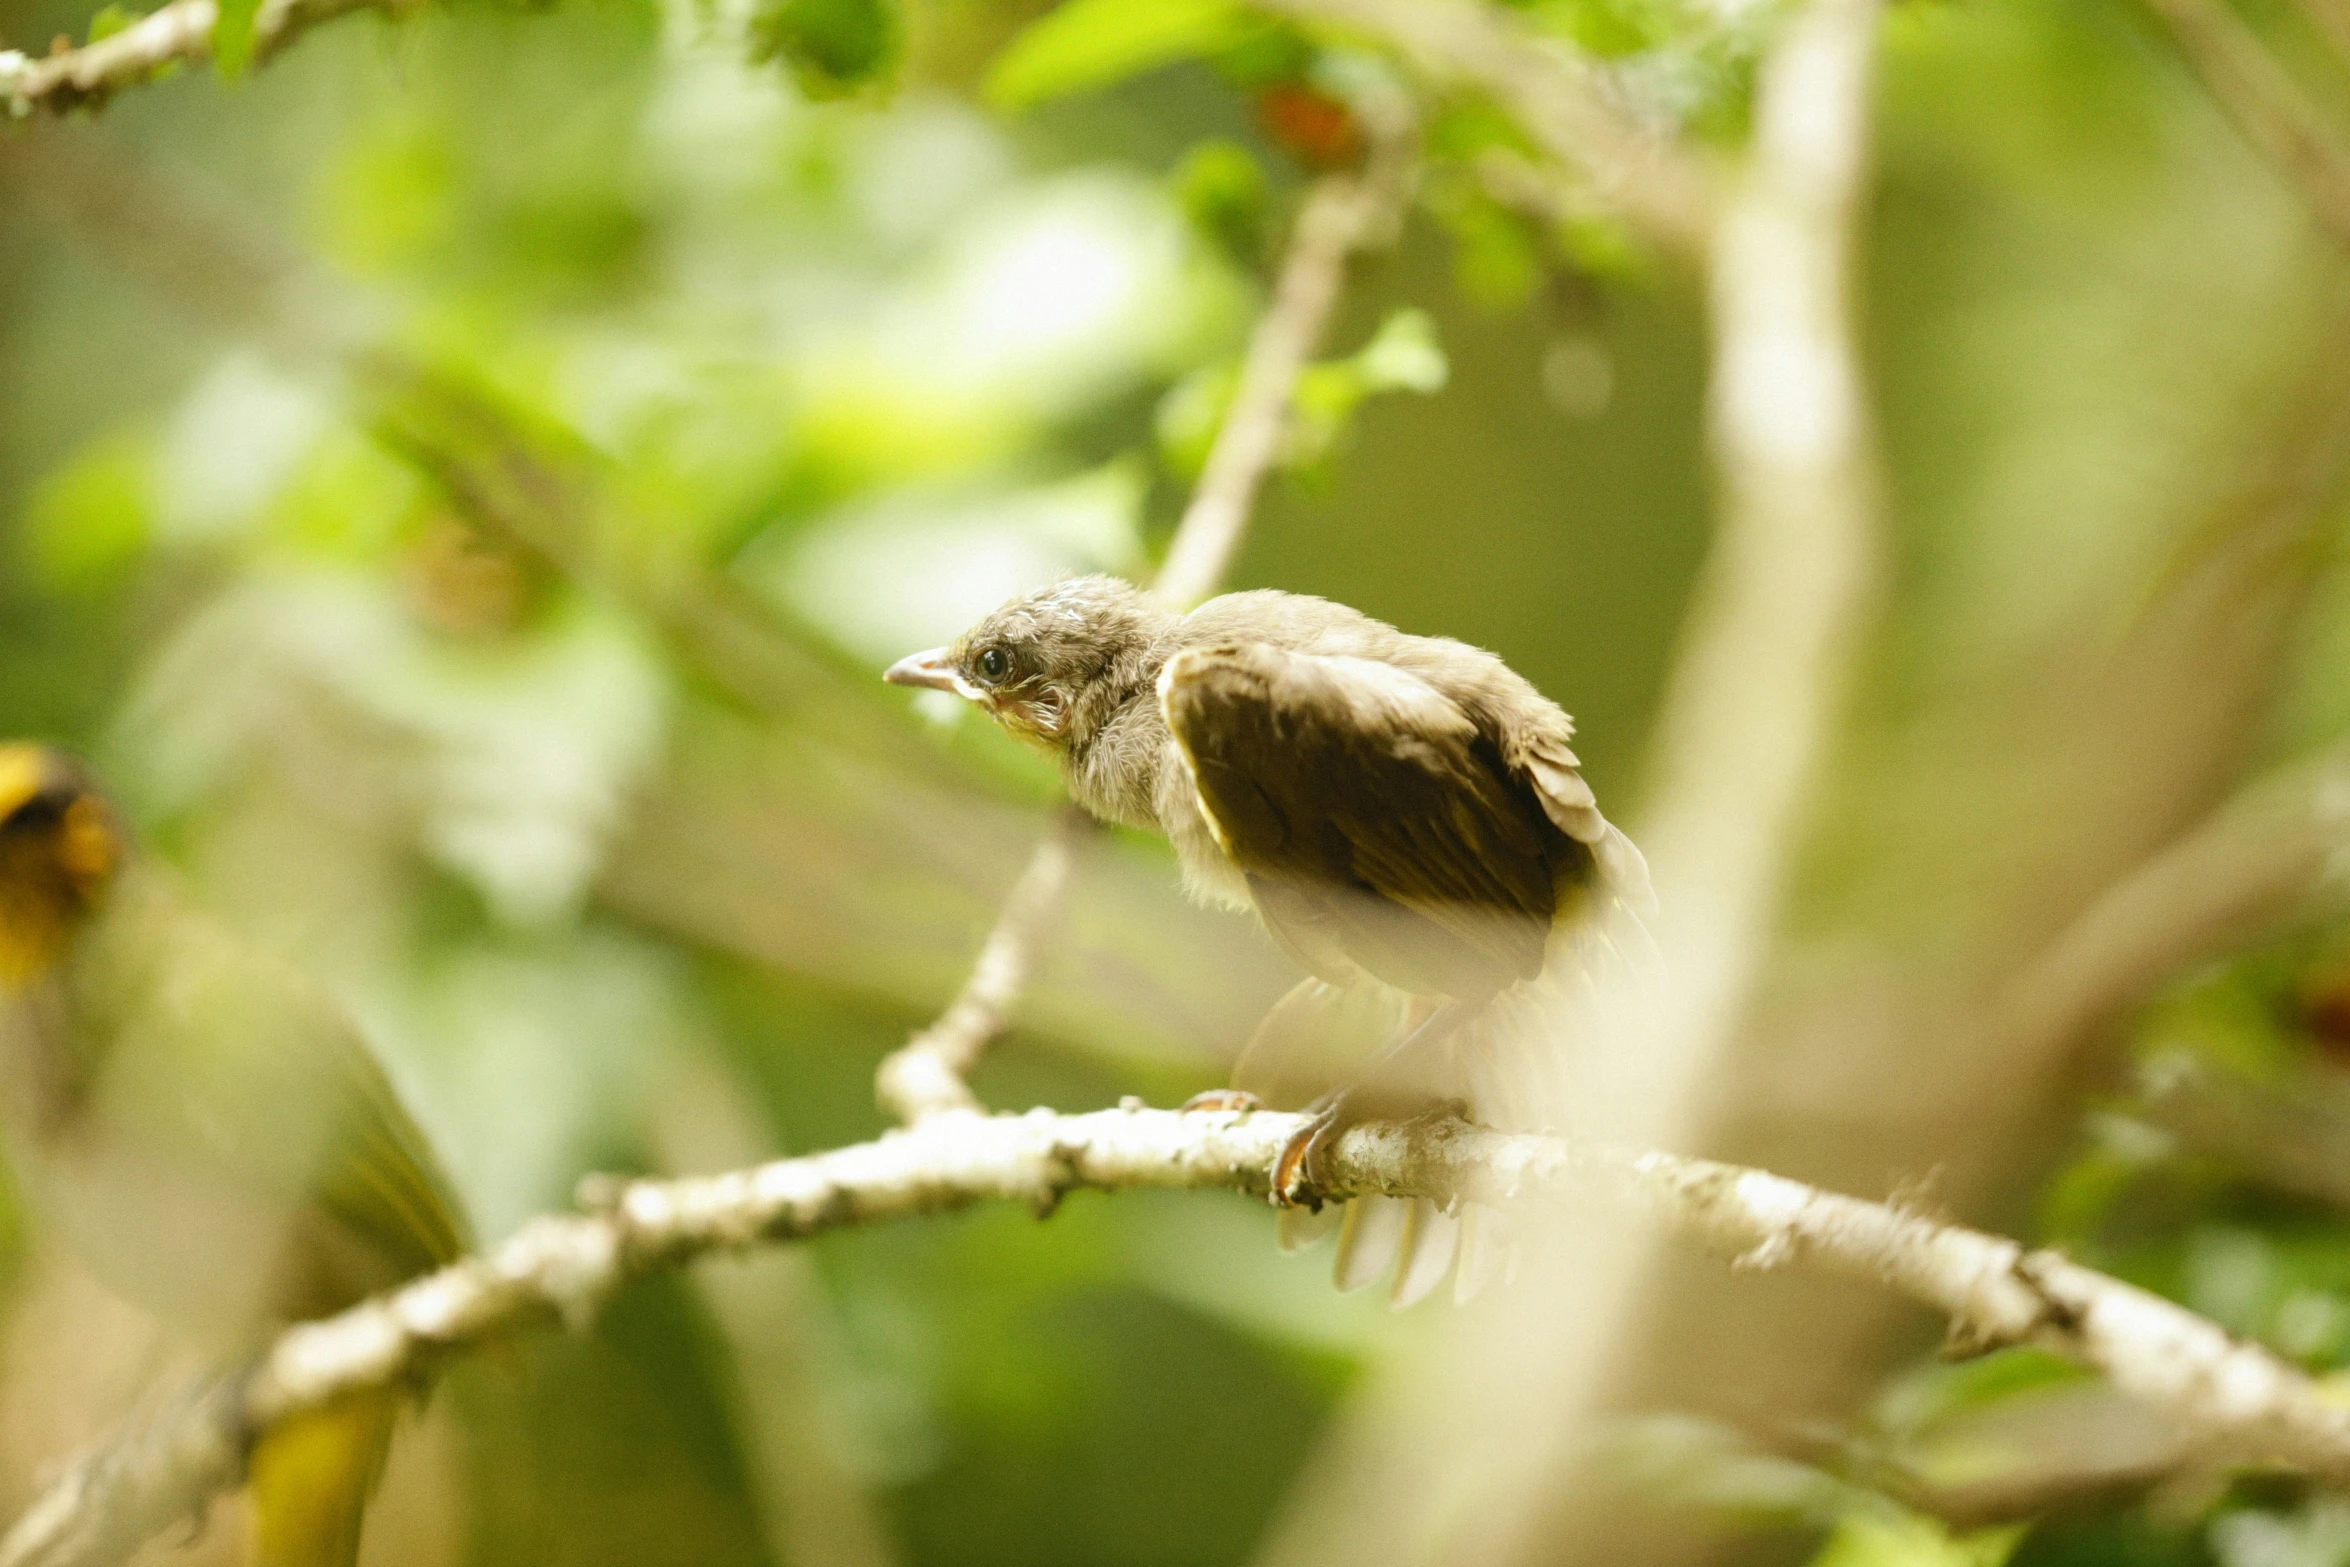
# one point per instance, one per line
(460, 481)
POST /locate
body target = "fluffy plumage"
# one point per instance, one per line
(1405, 814)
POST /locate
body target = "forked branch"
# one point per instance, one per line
(2233, 1400)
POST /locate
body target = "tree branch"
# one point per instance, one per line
(178, 32)
(931, 1072)
(1494, 1409)
(2271, 853)
(2267, 107)
(1783, 596)
(2331, 18)
(136, 1483)
(1343, 214)
(2234, 1400)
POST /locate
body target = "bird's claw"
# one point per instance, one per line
(1224, 1099)
(1298, 1173)
(1301, 1172)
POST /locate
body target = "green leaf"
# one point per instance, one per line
(110, 20)
(1461, 131)
(88, 522)
(1087, 44)
(232, 36)
(1404, 356)
(1881, 1539)
(1325, 401)
(1222, 190)
(1602, 249)
(1495, 260)
(1191, 413)
(833, 47)
(1265, 57)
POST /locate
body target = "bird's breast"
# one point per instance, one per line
(1209, 875)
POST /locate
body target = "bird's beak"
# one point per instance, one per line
(930, 669)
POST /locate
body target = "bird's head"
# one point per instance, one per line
(59, 848)
(1049, 665)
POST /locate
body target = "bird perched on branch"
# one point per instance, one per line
(1403, 813)
(204, 1130)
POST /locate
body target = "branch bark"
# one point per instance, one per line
(177, 33)
(932, 1071)
(2271, 111)
(2235, 1400)
(2271, 853)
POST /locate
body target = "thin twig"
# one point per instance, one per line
(932, 1071)
(2266, 105)
(2332, 18)
(178, 32)
(143, 1478)
(1641, 171)
(2235, 1400)
(2272, 853)
(1342, 214)
(2288, 1130)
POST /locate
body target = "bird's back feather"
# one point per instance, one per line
(1376, 823)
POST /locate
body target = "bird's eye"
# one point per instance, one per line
(38, 814)
(994, 665)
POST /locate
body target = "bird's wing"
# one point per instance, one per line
(219, 1059)
(1539, 753)
(1374, 820)
(371, 1170)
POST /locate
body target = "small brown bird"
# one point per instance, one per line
(1403, 813)
(203, 1129)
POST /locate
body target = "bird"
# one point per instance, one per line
(203, 1129)
(1405, 815)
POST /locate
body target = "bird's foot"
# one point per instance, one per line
(1298, 1173)
(1301, 1173)
(1224, 1099)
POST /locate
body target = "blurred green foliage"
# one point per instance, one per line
(832, 46)
(459, 482)
(1093, 43)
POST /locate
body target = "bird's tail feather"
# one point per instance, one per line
(1298, 1228)
(1431, 1239)
(1416, 1244)
(1506, 1061)
(311, 1478)
(1485, 1249)
(1370, 1238)
(1307, 1042)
